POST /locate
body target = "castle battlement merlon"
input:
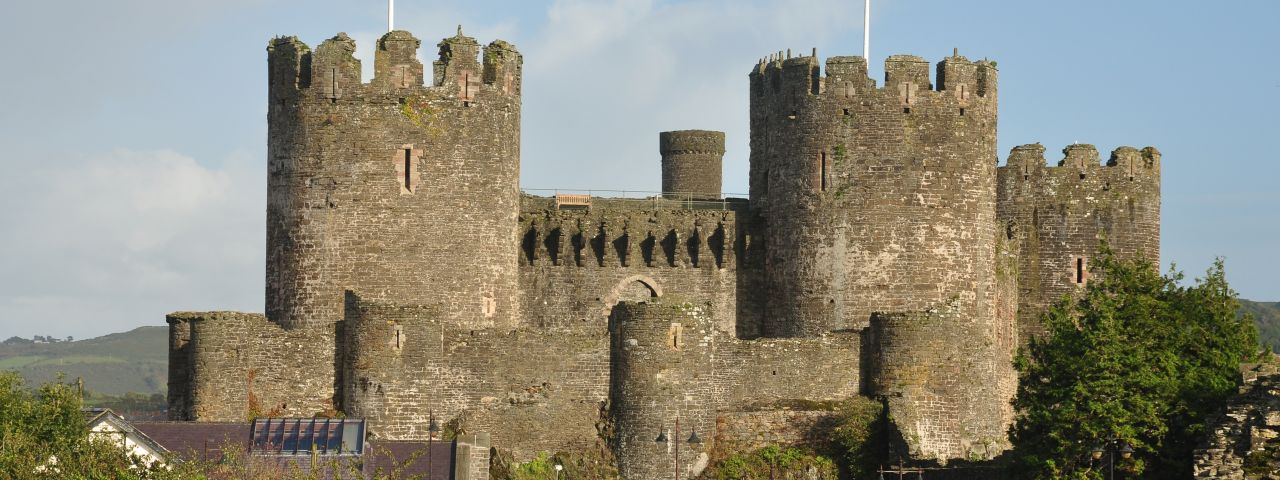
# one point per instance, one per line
(905, 75)
(332, 72)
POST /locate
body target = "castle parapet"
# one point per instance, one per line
(905, 75)
(1080, 161)
(332, 72)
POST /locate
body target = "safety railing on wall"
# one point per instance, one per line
(569, 198)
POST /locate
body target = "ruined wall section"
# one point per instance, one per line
(576, 264)
(239, 365)
(874, 198)
(407, 192)
(1059, 216)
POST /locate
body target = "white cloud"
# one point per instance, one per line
(115, 240)
(603, 78)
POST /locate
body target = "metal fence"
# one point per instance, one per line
(636, 199)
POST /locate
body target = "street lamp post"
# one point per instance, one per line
(432, 428)
(662, 439)
(1111, 448)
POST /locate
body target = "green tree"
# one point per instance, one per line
(1135, 356)
(43, 434)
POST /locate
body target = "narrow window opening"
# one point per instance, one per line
(822, 171)
(961, 111)
(1082, 175)
(906, 109)
(846, 112)
(1081, 271)
(397, 341)
(408, 169)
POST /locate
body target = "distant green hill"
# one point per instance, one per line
(133, 361)
(1266, 315)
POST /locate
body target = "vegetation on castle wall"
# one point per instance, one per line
(859, 437)
(773, 462)
(584, 465)
(853, 447)
(1137, 357)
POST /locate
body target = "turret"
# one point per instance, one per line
(691, 163)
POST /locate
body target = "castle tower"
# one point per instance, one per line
(404, 192)
(661, 371)
(692, 163)
(876, 199)
(883, 200)
(1060, 215)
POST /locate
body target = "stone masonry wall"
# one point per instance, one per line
(876, 199)
(239, 364)
(1060, 214)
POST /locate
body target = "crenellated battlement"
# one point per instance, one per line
(1079, 161)
(906, 76)
(331, 71)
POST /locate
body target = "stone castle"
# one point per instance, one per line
(882, 252)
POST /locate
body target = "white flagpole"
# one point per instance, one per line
(866, 30)
(391, 15)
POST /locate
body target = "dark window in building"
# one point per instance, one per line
(1082, 272)
(408, 169)
(822, 171)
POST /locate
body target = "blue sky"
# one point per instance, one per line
(134, 130)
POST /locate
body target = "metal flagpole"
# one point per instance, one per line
(391, 15)
(866, 30)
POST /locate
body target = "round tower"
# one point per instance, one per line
(405, 189)
(946, 399)
(882, 199)
(660, 393)
(692, 163)
(876, 199)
